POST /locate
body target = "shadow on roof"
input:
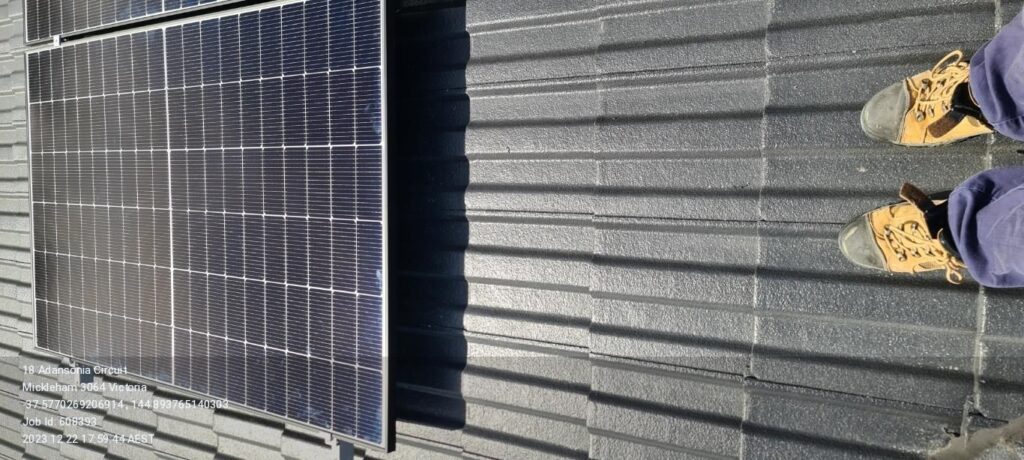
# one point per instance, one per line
(429, 173)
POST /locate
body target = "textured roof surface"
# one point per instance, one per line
(638, 255)
(613, 237)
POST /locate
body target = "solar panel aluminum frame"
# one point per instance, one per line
(123, 23)
(387, 420)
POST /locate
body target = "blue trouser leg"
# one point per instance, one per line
(986, 220)
(997, 79)
(986, 213)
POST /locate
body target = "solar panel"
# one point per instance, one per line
(208, 208)
(46, 18)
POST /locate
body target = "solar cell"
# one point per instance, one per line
(208, 208)
(46, 18)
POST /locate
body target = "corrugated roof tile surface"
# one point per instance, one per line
(657, 187)
(614, 236)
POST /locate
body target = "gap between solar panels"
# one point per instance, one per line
(208, 207)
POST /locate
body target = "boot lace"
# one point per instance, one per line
(912, 240)
(935, 91)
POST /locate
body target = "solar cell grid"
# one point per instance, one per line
(46, 18)
(208, 208)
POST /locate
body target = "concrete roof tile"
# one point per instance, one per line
(659, 182)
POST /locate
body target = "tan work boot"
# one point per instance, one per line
(897, 238)
(921, 111)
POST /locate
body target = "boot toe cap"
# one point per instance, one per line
(882, 117)
(857, 242)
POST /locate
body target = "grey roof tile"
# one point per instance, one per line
(447, 440)
(692, 335)
(544, 185)
(558, 264)
(34, 379)
(185, 438)
(1007, 153)
(83, 450)
(15, 273)
(675, 292)
(647, 405)
(251, 429)
(137, 415)
(531, 50)
(11, 334)
(128, 427)
(1001, 392)
(179, 448)
(10, 404)
(558, 102)
(490, 11)
(43, 451)
(414, 449)
(11, 444)
(1004, 313)
(707, 184)
(1006, 10)
(801, 272)
(781, 423)
(538, 379)
(931, 367)
(802, 27)
(244, 448)
(35, 413)
(303, 447)
(15, 206)
(529, 312)
(524, 400)
(522, 120)
(702, 262)
(642, 36)
(703, 110)
(590, 124)
(607, 445)
(569, 235)
(132, 451)
(503, 433)
(825, 185)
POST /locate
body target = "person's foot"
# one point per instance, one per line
(898, 238)
(929, 109)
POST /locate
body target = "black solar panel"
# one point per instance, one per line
(208, 208)
(46, 18)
